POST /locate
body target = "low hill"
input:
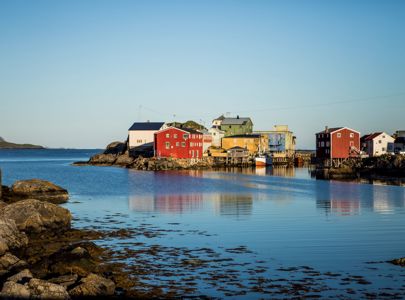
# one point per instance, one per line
(189, 124)
(7, 145)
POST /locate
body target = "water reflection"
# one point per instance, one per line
(163, 203)
(352, 199)
(233, 204)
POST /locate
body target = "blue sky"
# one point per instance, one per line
(79, 73)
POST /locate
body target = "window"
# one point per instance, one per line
(379, 141)
(351, 143)
(185, 136)
(339, 135)
(175, 135)
(183, 144)
(191, 144)
(383, 149)
(167, 135)
(322, 144)
(167, 145)
(352, 135)
(177, 144)
(327, 144)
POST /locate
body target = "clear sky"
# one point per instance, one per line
(79, 73)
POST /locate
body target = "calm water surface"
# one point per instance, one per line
(275, 218)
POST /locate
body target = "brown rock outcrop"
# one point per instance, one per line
(40, 190)
(34, 216)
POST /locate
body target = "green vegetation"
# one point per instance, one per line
(8, 145)
(189, 124)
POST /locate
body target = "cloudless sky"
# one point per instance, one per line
(79, 73)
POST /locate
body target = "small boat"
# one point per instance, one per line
(263, 160)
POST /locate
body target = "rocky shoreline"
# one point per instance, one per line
(43, 257)
(117, 154)
(385, 167)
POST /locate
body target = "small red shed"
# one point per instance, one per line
(339, 142)
(179, 143)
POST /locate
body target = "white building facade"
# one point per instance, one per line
(377, 143)
(142, 133)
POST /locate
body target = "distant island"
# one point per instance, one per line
(7, 145)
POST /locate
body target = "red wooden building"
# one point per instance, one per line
(337, 143)
(179, 143)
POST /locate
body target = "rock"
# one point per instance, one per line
(2, 204)
(10, 263)
(116, 148)
(103, 159)
(80, 252)
(35, 216)
(399, 261)
(10, 237)
(40, 190)
(22, 277)
(46, 290)
(65, 280)
(124, 160)
(14, 290)
(93, 285)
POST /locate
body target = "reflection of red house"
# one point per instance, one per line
(179, 143)
(341, 142)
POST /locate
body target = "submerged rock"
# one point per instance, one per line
(93, 285)
(399, 261)
(35, 216)
(40, 190)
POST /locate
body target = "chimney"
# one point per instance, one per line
(237, 117)
(147, 121)
(326, 129)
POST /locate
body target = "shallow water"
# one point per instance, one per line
(253, 227)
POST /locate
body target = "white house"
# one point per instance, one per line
(376, 144)
(398, 146)
(217, 136)
(142, 133)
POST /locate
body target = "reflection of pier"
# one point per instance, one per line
(171, 203)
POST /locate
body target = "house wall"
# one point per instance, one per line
(178, 146)
(379, 145)
(140, 137)
(342, 140)
(323, 145)
(217, 136)
(207, 142)
(237, 129)
(252, 144)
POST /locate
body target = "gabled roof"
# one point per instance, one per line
(146, 126)
(188, 130)
(235, 121)
(372, 136)
(221, 117)
(330, 130)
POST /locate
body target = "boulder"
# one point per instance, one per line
(10, 263)
(35, 216)
(116, 148)
(65, 280)
(13, 290)
(93, 285)
(40, 190)
(103, 159)
(46, 290)
(399, 261)
(124, 160)
(10, 237)
(21, 277)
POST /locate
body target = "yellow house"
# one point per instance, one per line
(254, 143)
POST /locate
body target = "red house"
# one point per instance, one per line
(337, 143)
(179, 143)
